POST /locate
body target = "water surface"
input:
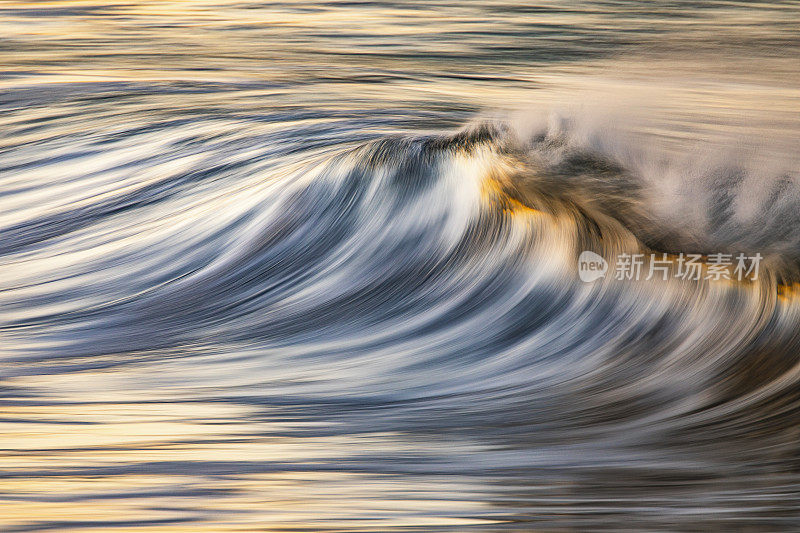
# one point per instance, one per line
(298, 266)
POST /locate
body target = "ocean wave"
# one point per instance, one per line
(417, 283)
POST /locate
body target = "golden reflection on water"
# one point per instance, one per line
(110, 463)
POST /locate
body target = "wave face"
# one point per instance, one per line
(234, 304)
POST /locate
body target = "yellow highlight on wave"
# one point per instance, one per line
(494, 191)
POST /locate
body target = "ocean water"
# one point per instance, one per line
(312, 266)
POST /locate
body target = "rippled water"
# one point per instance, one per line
(312, 266)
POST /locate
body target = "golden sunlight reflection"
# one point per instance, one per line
(143, 463)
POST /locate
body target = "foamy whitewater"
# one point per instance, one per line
(314, 267)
